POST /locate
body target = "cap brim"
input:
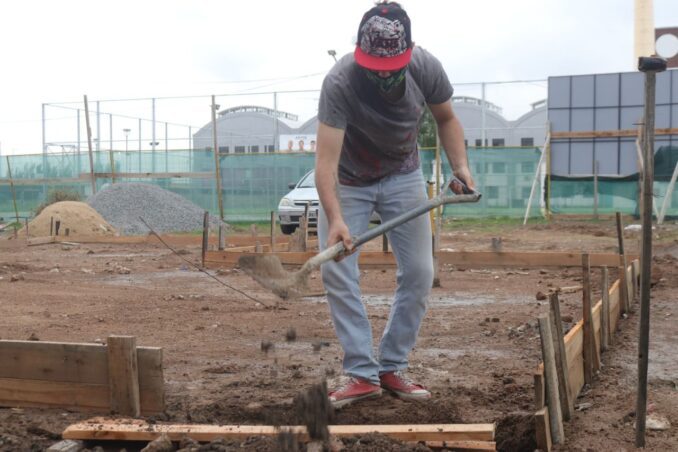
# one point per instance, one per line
(374, 63)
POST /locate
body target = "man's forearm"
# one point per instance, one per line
(452, 139)
(327, 184)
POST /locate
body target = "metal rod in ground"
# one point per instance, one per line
(566, 401)
(551, 378)
(202, 269)
(89, 148)
(605, 309)
(221, 237)
(205, 234)
(650, 66)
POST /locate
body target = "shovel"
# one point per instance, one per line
(268, 271)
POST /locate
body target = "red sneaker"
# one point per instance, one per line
(355, 389)
(403, 387)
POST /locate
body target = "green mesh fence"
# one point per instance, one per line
(253, 184)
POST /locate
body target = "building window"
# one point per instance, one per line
(269, 148)
(479, 142)
(497, 142)
(527, 141)
(492, 192)
(466, 144)
(223, 149)
(239, 149)
(254, 149)
(498, 167)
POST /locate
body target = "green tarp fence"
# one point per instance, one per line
(252, 184)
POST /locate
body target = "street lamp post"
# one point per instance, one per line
(333, 54)
(126, 132)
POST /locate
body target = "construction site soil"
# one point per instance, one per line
(229, 360)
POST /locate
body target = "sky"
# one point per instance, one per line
(54, 52)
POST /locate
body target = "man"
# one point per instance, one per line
(367, 160)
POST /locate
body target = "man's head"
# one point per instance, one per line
(384, 38)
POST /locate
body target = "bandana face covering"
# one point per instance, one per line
(386, 84)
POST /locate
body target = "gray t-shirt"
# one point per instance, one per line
(380, 136)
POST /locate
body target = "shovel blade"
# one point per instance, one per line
(268, 271)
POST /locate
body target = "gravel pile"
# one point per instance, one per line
(122, 204)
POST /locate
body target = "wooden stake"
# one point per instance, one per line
(89, 147)
(624, 286)
(539, 391)
(551, 377)
(589, 365)
(205, 234)
(123, 375)
(543, 430)
(51, 226)
(620, 232)
(217, 163)
(273, 230)
(11, 184)
(566, 400)
(605, 310)
(222, 238)
(305, 228)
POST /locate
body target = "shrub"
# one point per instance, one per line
(57, 196)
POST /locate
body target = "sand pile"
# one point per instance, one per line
(78, 217)
(122, 204)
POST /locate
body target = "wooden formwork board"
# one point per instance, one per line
(72, 376)
(574, 340)
(236, 243)
(137, 430)
(229, 258)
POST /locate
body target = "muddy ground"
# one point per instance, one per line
(477, 350)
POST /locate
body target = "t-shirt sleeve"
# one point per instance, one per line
(435, 84)
(332, 109)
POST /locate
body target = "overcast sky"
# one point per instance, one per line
(56, 51)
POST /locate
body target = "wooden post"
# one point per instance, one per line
(205, 234)
(646, 243)
(51, 226)
(605, 310)
(11, 184)
(620, 232)
(539, 391)
(566, 400)
(123, 375)
(112, 163)
(624, 294)
(217, 165)
(595, 190)
(89, 147)
(589, 337)
(222, 239)
(273, 230)
(26, 223)
(543, 430)
(305, 228)
(551, 377)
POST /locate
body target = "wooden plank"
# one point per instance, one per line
(551, 379)
(483, 259)
(137, 430)
(459, 446)
(574, 342)
(566, 399)
(605, 310)
(77, 364)
(123, 375)
(74, 396)
(609, 133)
(542, 422)
(539, 389)
(178, 175)
(37, 241)
(615, 309)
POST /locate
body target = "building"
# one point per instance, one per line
(252, 129)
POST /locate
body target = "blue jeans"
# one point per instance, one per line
(411, 244)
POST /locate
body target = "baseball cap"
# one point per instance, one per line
(384, 38)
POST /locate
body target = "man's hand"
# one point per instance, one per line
(464, 175)
(338, 232)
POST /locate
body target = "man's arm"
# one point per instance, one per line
(452, 139)
(328, 151)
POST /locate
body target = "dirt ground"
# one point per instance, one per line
(477, 350)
